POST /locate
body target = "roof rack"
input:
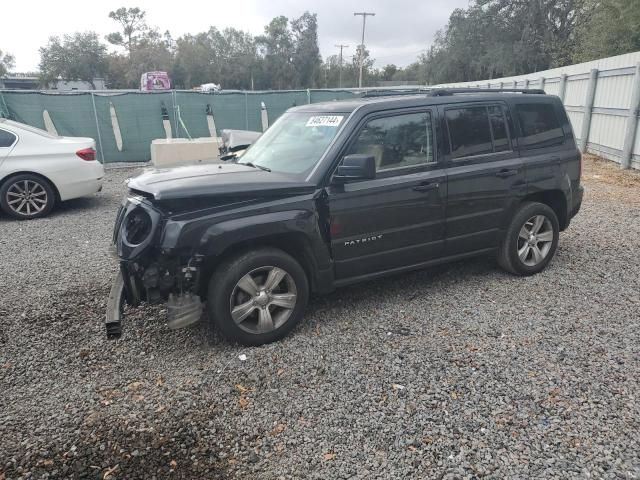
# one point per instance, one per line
(441, 92)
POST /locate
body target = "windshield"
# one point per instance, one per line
(294, 143)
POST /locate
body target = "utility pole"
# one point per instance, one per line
(364, 22)
(340, 78)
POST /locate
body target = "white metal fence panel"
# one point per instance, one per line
(614, 91)
(576, 92)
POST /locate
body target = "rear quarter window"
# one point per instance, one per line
(6, 138)
(540, 125)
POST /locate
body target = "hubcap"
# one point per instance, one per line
(534, 240)
(263, 300)
(27, 198)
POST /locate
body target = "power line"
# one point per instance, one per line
(364, 22)
(340, 46)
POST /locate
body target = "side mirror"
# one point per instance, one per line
(356, 167)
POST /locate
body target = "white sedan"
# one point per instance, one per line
(37, 169)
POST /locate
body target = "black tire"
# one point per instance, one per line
(39, 203)
(225, 294)
(513, 244)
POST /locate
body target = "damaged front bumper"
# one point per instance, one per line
(183, 309)
(147, 274)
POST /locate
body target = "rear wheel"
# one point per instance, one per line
(530, 241)
(27, 196)
(258, 297)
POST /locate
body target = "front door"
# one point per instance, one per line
(397, 219)
(485, 175)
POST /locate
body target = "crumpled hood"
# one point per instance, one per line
(219, 179)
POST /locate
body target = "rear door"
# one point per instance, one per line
(545, 146)
(485, 174)
(397, 219)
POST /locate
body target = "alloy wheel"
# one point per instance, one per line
(263, 300)
(27, 198)
(535, 240)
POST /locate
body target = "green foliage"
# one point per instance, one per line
(495, 38)
(7, 62)
(133, 26)
(489, 39)
(613, 29)
(80, 56)
(306, 56)
(228, 57)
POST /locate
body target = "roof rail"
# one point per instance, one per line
(441, 92)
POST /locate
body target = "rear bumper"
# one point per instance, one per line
(86, 180)
(577, 202)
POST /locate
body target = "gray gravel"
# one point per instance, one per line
(456, 372)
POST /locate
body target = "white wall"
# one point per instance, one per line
(612, 115)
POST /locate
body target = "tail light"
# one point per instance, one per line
(87, 154)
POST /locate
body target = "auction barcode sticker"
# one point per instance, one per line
(324, 121)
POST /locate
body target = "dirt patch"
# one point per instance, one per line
(604, 178)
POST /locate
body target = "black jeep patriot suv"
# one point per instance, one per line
(335, 193)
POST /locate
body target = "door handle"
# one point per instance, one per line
(426, 187)
(504, 173)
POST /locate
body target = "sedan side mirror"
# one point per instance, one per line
(356, 167)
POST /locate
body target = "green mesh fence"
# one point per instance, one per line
(139, 115)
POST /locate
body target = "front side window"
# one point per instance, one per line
(477, 131)
(6, 138)
(540, 125)
(295, 142)
(398, 141)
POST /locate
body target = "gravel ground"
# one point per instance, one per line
(456, 372)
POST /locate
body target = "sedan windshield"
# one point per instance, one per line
(294, 143)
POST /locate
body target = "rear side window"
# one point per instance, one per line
(6, 138)
(477, 131)
(540, 125)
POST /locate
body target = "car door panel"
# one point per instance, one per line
(482, 189)
(397, 219)
(386, 223)
(479, 195)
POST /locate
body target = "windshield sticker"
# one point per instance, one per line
(324, 121)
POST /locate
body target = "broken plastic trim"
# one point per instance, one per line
(115, 306)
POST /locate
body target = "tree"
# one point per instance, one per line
(80, 56)
(225, 57)
(612, 29)
(306, 57)
(494, 38)
(133, 25)
(277, 49)
(388, 72)
(146, 48)
(7, 62)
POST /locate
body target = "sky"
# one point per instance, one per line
(399, 32)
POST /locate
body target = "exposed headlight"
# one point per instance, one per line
(137, 226)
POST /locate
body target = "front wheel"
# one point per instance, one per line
(531, 239)
(258, 297)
